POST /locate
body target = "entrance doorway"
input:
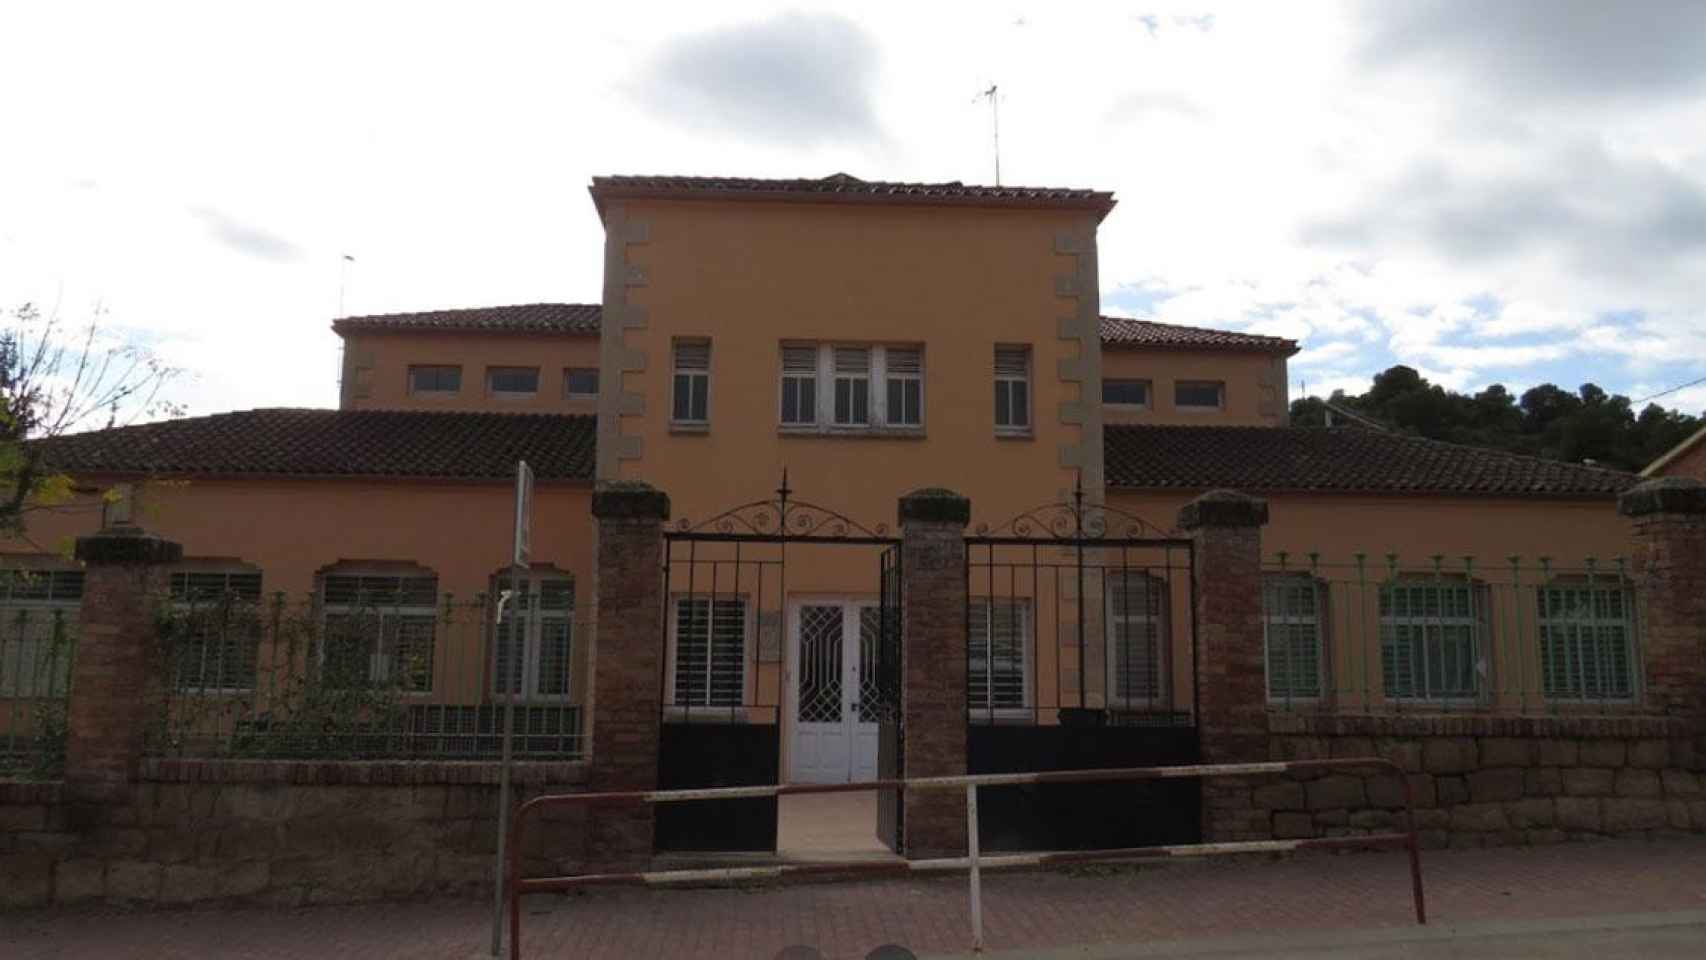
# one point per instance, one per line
(833, 689)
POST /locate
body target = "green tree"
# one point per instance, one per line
(56, 380)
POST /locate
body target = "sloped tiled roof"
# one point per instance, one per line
(345, 443)
(584, 319)
(526, 317)
(1335, 460)
(844, 187)
(1127, 332)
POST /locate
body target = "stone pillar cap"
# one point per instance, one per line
(934, 505)
(1663, 495)
(629, 500)
(1223, 508)
(127, 546)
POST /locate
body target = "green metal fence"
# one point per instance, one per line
(381, 674)
(1383, 633)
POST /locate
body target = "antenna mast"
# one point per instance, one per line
(995, 119)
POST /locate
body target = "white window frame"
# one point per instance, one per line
(1277, 613)
(890, 372)
(1006, 380)
(1116, 623)
(709, 709)
(13, 648)
(1148, 393)
(414, 392)
(815, 390)
(876, 377)
(186, 606)
(493, 370)
(1422, 690)
(570, 394)
(535, 618)
(1220, 394)
(1548, 624)
(379, 663)
(988, 711)
(692, 373)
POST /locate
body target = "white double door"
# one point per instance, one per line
(832, 688)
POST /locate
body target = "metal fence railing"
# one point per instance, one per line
(371, 680)
(1390, 634)
(514, 885)
(37, 646)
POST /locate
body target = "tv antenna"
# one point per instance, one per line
(993, 95)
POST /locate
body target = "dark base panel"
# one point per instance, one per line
(1087, 816)
(718, 755)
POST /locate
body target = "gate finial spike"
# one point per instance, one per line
(783, 491)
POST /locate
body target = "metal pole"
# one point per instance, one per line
(976, 874)
(503, 776)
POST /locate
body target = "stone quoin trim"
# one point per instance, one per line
(615, 356)
(1082, 325)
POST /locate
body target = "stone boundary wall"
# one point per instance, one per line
(278, 832)
(1478, 780)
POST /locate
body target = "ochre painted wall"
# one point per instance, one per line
(1255, 386)
(376, 369)
(749, 276)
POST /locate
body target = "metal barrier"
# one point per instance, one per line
(974, 862)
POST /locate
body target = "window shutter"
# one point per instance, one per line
(1012, 361)
(852, 360)
(905, 360)
(693, 356)
(799, 361)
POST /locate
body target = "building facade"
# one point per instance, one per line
(847, 342)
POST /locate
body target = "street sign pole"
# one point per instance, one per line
(521, 554)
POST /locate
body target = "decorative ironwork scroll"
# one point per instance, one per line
(784, 518)
(1075, 520)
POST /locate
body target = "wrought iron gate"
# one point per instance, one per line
(1081, 655)
(891, 742)
(727, 590)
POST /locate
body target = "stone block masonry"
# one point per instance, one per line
(1484, 781)
(277, 832)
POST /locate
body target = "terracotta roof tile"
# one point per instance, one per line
(843, 186)
(527, 317)
(293, 442)
(1335, 460)
(1128, 332)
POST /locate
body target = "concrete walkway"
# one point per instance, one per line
(1261, 909)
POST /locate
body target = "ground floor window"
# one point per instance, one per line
(217, 625)
(531, 655)
(708, 639)
(38, 621)
(1585, 642)
(1291, 631)
(1429, 640)
(379, 630)
(998, 662)
(1136, 631)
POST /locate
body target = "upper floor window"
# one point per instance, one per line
(435, 378)
(1125, 393)
(512, 381)
(1012, 389)
(858, 386)
(218, 628)
(1199, 394)
(580, 383)
(692, 386)
(379, 630)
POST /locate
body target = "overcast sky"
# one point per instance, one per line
(1492, 192)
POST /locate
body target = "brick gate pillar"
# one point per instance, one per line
(1231, 694)
(933, 688)
(627, 665)
(118, 672)
(1669, 520)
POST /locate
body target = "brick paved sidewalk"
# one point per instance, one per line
(846, 920)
